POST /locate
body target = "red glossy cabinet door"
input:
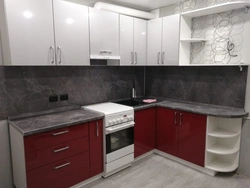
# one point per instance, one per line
(167, 131)
(144, 131)
(192, 137)
(96, 147)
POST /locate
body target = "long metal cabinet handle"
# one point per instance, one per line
(105, 52)
(180, 119)
(53, 54)
(135, 58)
(158, 57)
(97, 129)
(61, 166)
(175, 118)
(132, 58)
(61, 149)
(59, 51)
(163, 58)
(59, 133)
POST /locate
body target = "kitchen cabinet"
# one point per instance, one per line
(96, 147)
(181, 134)
(30, 37)
(163, 41)
(167, 131)
(144, 131)
(104, 34)
(71, 33)
(133, 40)
(44, 32)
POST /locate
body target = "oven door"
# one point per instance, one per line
(119, 141)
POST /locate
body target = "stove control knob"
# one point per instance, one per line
(110, 122)
(119, 120)
(115, 121)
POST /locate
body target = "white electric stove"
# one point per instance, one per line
(118, 135)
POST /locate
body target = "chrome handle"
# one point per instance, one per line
(105, 52)
(135, 58)
(158, 57)
(132, 58)
(175, 118)
(61, 166)
(59, 133)
(163, 58)
(97, 129)
(59, 51)
(53, 54)
(62, 149)
(180, 119)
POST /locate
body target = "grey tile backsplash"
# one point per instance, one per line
(27, 89)
(224, 86)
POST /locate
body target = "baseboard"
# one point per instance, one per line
(143, 156)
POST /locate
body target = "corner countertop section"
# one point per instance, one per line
(43, 123)
(205, 109)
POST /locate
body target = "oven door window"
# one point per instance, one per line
(119, 140)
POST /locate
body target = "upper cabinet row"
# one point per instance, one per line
(57, 32)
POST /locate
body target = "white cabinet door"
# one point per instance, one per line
(104, 34)
(30, 32)
(140, 41)
(71, 33)
(126, 40)
(171, 40)
(154, 41)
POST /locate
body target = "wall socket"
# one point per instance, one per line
(64, 97)
(53, 98)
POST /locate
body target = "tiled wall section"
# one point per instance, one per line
(28, 88)
(212, 85)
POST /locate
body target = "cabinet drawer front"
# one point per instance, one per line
(63, 174)
(48, 155)
(58, 136)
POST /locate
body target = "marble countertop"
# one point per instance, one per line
(43, 123)
(198, 108)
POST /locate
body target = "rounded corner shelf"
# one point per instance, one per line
(193, 40)
(219, 133)
(221, 166)
(221, 150)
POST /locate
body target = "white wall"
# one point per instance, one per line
(5, 158)
(1, 55)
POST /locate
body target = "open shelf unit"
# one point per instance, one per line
(223, 143)
(216, 9)
(193, 40)
(186, 38)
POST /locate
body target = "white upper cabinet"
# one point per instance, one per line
(104, 34)
(171, 40)
(133, 41)
(154, 41)
(140, 41)
(126, 40)
(30, 37)
(71, 33)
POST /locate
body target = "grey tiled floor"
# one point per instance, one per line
(158, 172)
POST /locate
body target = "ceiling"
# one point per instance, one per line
(146, 5)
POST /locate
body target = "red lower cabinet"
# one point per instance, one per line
(96, 147)
(192, 138)
(144, 131)
(167, 131)
(181, 134)
(61, 174)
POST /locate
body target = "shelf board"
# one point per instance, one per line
(221, 166)
(223, 133)
(222, 150)
(193, 40)
(216, 9)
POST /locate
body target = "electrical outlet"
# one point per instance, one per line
(64, 97)
(53, 98)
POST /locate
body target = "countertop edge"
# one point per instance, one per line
(68, 124)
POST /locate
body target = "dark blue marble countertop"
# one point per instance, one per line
(50, 121)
